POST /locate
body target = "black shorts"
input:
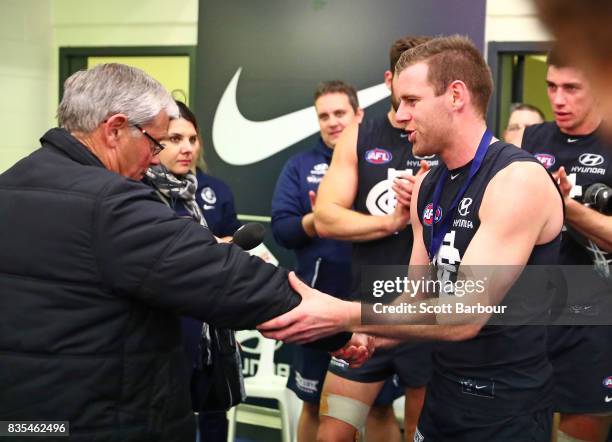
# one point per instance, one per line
(440, 421)
(581, 357)
(411, 362)
(308, 371)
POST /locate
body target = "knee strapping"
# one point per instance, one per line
(346, 409)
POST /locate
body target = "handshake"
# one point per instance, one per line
(320, 315)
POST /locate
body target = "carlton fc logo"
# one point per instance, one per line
(428, 215)
(378, 156)
(546, 159)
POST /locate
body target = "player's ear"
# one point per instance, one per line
(359, 115)
(458, 94)
(388, 79)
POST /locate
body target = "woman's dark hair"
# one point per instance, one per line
(186, 114)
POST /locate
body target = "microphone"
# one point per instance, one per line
(249, 236)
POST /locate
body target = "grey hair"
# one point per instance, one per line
(91, 96)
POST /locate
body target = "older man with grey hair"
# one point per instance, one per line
(95, 271)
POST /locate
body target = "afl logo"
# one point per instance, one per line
(590, 159)
(546, 159)
(428, 215)
(608, 382)
(378, 156)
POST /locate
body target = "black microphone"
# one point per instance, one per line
(249, 236)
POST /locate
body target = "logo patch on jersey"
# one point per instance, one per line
(546, 159)
(428, 215)
(378, 156)
(208, 195)
(380, 200)
(464, 206)
(317, 173)
(430, 159)
(590, 159)
(607, 382)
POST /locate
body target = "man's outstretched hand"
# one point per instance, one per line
(317, 316)
(358, 350)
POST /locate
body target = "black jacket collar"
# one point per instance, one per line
(62, 140)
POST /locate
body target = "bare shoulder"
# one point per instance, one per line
(525, 191)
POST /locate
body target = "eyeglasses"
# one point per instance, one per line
(157, 146)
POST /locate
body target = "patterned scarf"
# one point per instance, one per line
(172, 188)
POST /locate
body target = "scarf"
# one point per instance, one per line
(171, 188)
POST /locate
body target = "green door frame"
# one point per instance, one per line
(72, 59)
(496, 50)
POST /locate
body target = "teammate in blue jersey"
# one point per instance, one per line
(573, 150)
(322, 263)
(489, 382)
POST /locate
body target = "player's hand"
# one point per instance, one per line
(317, 316)
(312, 196)
(357, 351)
(564, 183)
(402, 186)
(424, 167)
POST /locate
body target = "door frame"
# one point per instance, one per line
(72, 59)
(497, 49)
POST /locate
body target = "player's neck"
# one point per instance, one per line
(587, 127)
(464, 144)
(393, 121)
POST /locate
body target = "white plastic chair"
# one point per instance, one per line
(266, 384)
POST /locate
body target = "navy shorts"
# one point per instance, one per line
(308, 372)
(581, 357)
(440, 421)
(411, 362)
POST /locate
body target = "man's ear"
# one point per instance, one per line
(359, 115)
(458, 94)
(111, 128)
(388, 79)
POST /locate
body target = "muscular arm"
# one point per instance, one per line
(333, 215)
(513, 220)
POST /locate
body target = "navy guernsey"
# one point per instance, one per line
(507, 364)
(382, 150)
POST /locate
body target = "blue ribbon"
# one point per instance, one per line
(437, 236)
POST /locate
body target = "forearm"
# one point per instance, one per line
(590, 223)
(308, 224)
(333, 221)
(423, 325)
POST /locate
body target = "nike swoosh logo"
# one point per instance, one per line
(608, 399)
(239, 141)
(572, 140)
(455, 176)
(480, 387)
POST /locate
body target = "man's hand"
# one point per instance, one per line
(317, 316)
(403, 186)
(357, 351)
(564, 183)
(308, 223)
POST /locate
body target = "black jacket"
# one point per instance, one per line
(94, 273)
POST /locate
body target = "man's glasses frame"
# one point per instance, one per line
(157, 146)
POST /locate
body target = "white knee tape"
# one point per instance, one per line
(346, 409)
(564, 437)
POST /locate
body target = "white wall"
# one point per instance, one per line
(513, 20)
(25, 67)
(31, 33)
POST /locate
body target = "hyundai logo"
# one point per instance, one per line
(590, 159)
